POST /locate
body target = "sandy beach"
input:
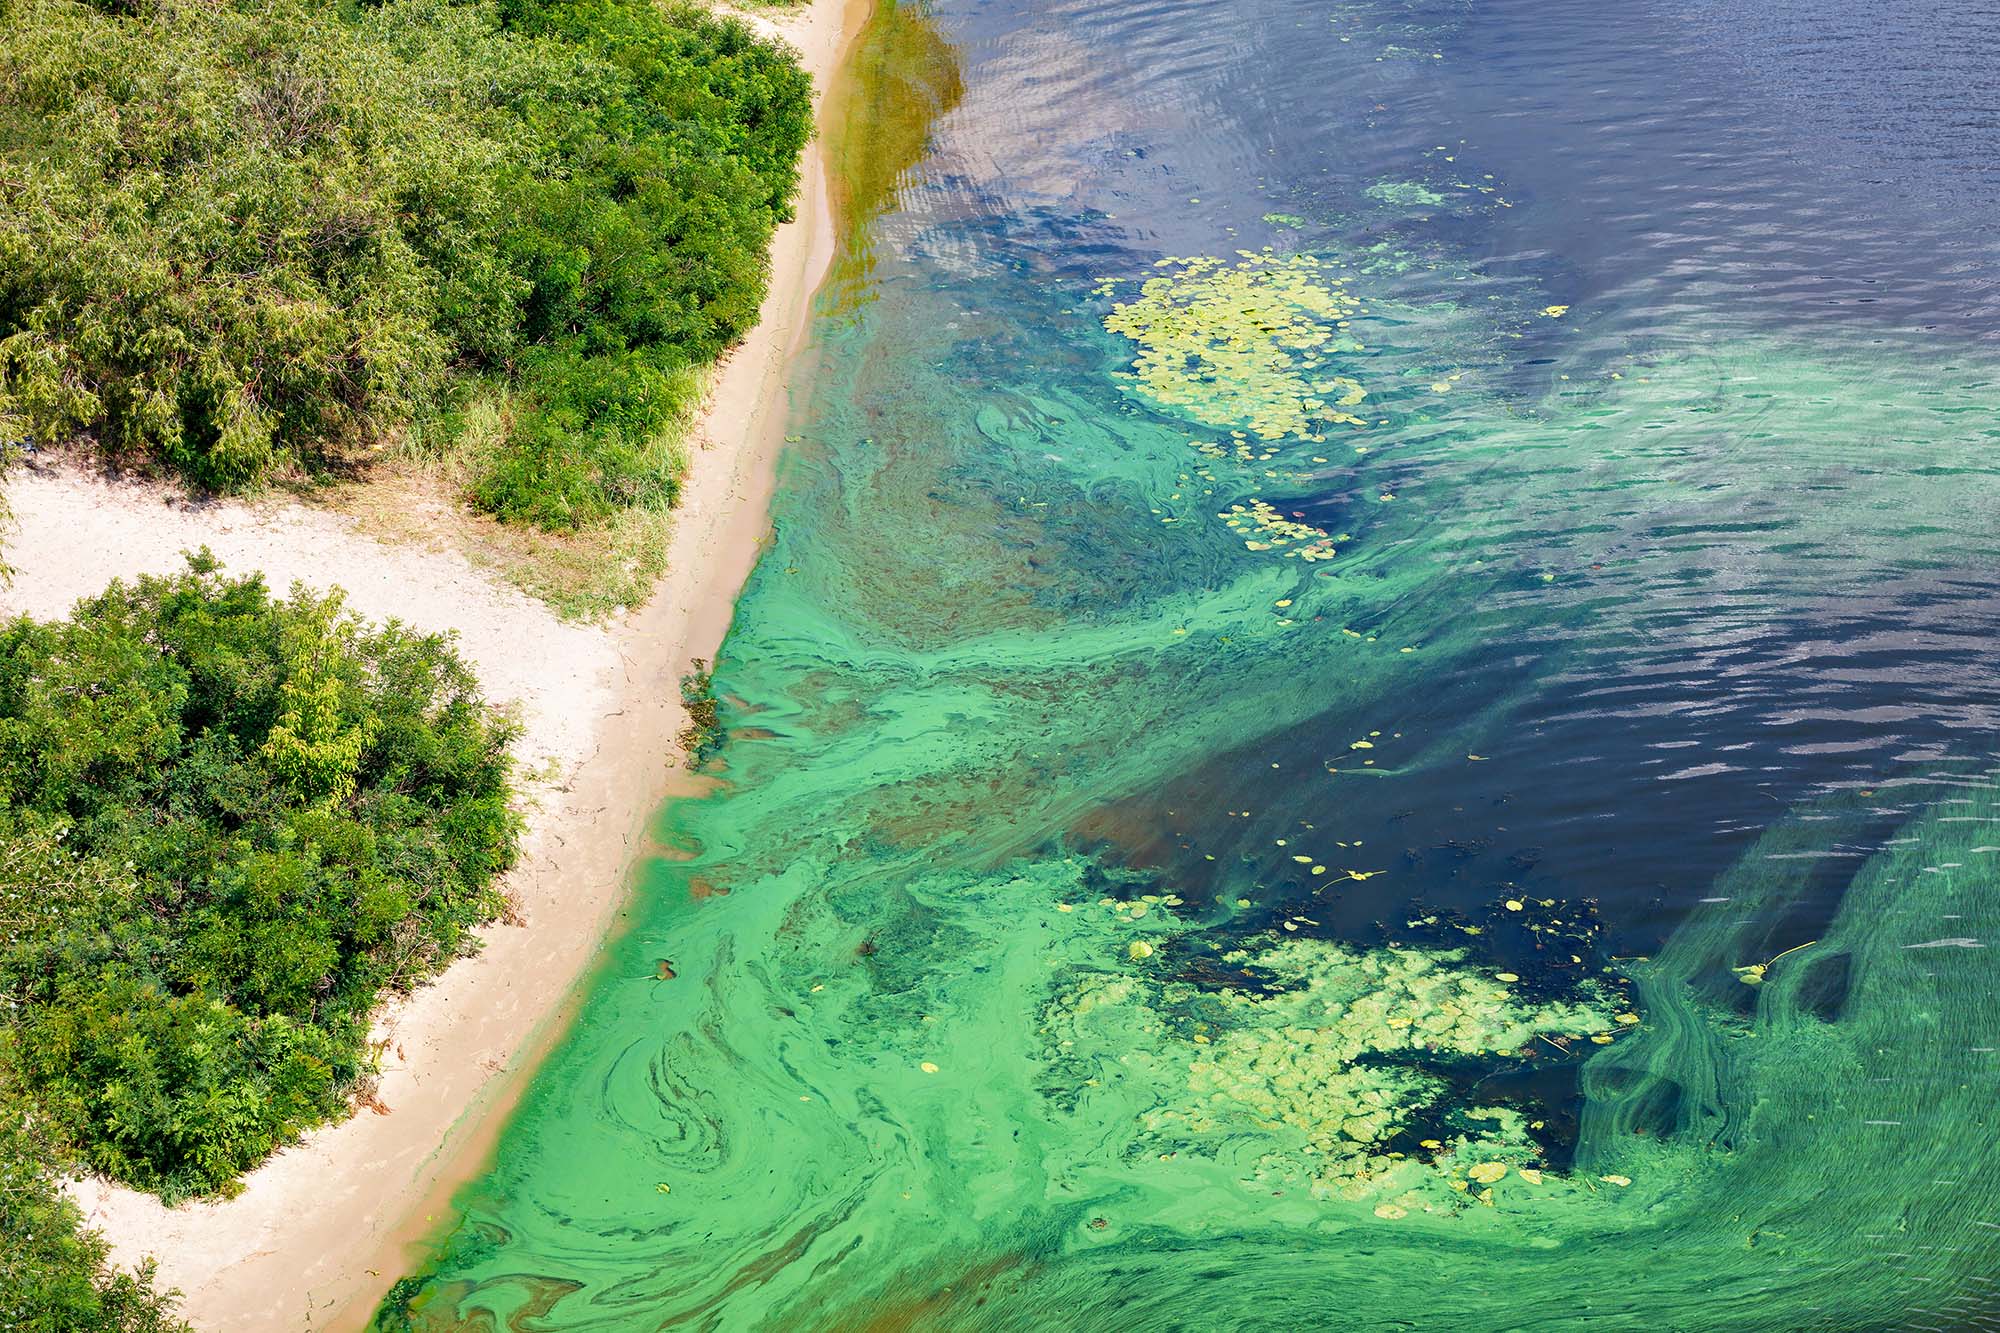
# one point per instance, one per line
(322, 1229)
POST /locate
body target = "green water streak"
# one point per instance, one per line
(923, 1064)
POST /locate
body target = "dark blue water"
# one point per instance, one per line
(1682, 176)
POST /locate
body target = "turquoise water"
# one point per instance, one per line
(1372, 707)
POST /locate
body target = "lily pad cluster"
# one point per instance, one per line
(1264, 528)
(1261, 346)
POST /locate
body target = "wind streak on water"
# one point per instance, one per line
(1471, 854)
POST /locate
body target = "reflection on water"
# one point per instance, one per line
(1371, 708)
(900, 78)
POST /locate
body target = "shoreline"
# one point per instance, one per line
(322, 1229)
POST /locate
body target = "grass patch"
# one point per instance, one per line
(583, 573)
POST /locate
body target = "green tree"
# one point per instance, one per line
(54, 1274)
(227, 824)
(264, 237)
(320, 736)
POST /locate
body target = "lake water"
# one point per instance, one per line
(1373, 707)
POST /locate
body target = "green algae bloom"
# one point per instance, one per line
(1405, 194)
(1313, 1080)
(1250, 343)
(943, 1058)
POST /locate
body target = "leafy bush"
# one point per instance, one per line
(54, 1277)
(597, 438)
(263, 236)
(227, 823)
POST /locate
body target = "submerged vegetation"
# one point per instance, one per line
(228, 823)
(269, 238)
(702, 736)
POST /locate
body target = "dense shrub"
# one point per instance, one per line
(227, 823)
(240, 238)
(597, 436)
(54, 1277)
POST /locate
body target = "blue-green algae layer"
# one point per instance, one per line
(1056, 953)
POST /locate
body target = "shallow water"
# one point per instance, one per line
(1430, 769)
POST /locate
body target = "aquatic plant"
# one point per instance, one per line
(1313, 1062)
(702, 736)
(1405, 194)
(1247, 343)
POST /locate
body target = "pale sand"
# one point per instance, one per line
(322, 1229)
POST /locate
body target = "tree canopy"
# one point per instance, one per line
(54, 1274)
(227, 823)
(246, 240)
(247, 237)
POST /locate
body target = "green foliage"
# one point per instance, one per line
(53, 1273)
(227, 823)
(248, 238)
(599, 437)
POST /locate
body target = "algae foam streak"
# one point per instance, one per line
(1371, 707)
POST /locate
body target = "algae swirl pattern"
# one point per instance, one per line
(1155, 880)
